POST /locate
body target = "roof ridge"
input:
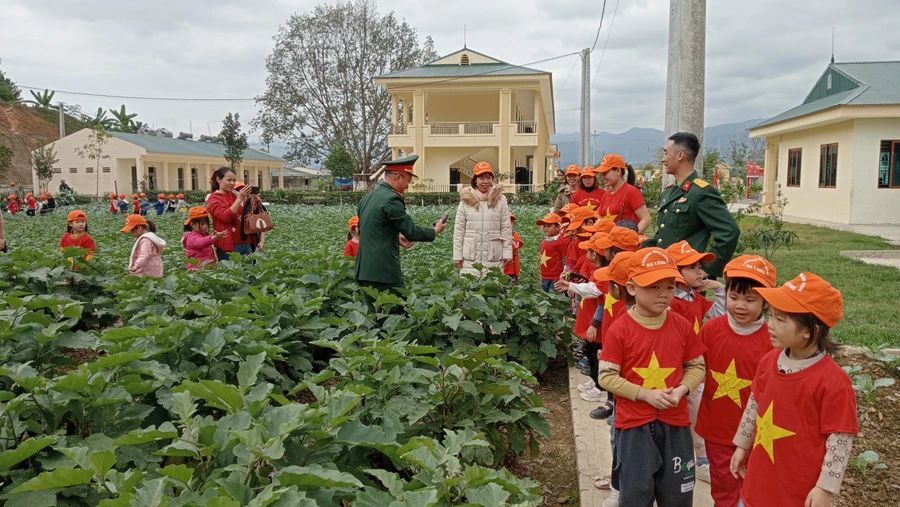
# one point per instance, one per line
(866, 62)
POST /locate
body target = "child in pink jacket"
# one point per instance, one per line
(198, 244)
(146, 258)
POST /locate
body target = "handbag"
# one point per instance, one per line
(257, 220)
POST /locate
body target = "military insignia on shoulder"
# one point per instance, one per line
(701, 183)
(686, 186)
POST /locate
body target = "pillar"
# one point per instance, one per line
(393, 113)
(686, 77)
(207, 185)
(770, 182)
(505, 107)
(165, 176)
(281, 176)
(419, 121)
(139, 175)
(405, 111)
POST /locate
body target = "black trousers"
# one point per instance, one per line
(655, 462)
(591, 351)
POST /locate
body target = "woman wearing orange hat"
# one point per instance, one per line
(573, 184)
(146, 255)
(352, 246)
(623, 202)
(197, 242)
(482, 232)
(77, 235)
(590, 194)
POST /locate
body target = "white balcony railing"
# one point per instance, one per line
(461, 128)
(399, 129)
(526, 127)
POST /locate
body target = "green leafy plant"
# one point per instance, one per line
(867, 461)
(864, 383)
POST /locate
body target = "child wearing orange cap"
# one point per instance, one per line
(135, 204)
(590, 194)
(171, 203)
(553, 249)
(146, 254)
(735, 344)
(689, 301)
(113, 204)
(160, 205)
(122, 204)
(32, 204)
(578, 219)
(182, 204)
(13, 205)
(513, 268)
(352, 246)
(651, 360)
(77, 235)
(804, 436)
(197, 242)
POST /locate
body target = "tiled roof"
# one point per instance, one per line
(159, 144)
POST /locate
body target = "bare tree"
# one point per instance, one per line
(93, 148)
(43, 159)
(320, 90)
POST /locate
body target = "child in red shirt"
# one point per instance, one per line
(553, 249)
(512, 269)
(113, 204)
(13, 205)
(32, 204)
(352, 246)
(77, 235)
(651, 360)
(735, 344)
(802, 407)
(135, 205)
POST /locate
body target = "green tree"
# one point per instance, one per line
(43, 99)
(9, 92)
(6, 155)
(340, 163)
(123, 121)
(42, 160)
(234, 140)
(93, 149)
(711, 159)
(320, 90)
(98, 120)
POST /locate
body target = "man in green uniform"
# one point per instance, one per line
(382, 221)
(692, 209)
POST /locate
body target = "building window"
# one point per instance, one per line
(464, 59)
(246, 177)
(794, 157)
(73, 170)
(57, 170)
(89, 170)
(193, 178)
(181, 178)
(106, 169)
(889, 165)
(259, 179)
(828, 157)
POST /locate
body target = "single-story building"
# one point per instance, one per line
(299, 178)
(136, 162)
(836, 156)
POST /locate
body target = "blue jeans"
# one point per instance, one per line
(547, 285)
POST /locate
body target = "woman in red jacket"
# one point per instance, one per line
(224, 206)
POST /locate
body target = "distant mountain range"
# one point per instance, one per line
(638, 145)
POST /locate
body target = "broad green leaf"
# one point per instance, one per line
(123, 500)
(222, 501)
(489, 495)
(180, 473)
(76, 380)
(102, 462)
(420, 498)
(40, 498)
(883, 382)
(24, 451)
(115, 360)
(315, 476)
(371, 497)
(150, 494)
(123, 333)
(390, 480)
(249, 370)
(471, 327)
(166, 431)
(217, 394)
(62, 477)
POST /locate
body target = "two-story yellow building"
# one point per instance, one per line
(467, 107)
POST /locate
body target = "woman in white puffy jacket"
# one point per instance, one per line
(482, 232)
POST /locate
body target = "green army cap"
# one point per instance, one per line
(402, 165)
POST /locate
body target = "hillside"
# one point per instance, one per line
(23, 129)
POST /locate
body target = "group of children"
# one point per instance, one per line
(675, 361)
(43, 204)
(140, 204)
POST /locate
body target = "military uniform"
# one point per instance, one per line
(382, 218)
(693, 211)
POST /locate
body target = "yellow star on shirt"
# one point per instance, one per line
(767, 432)
(609, 302)
(544, 258)
(654, 376)
(610, 216)
(590, 206)
(730, 384)
(696, 325)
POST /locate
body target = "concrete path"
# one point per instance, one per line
(593, 453)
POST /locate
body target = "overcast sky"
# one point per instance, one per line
(763, 56)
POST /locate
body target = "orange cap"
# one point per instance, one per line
(134, 196)
(196, 212)
(180, 196)
(112, 196)
(622, 238)
(568, 208)
(133, 221)
(642, 238)
(754, 267)
(580, 215)
(685, 255)
(549, 219)
(161, 196)
(512, 218)
(353, 222)
(239, 185)
(650, 265)
(573, 169)
(808, 293)
(611, 161)
(76, 214)
(12, 197)
(29, 194)
(171, 196)
(143, 194)
(121, 196)
(482, 168)
(617, 271)
(602, 225)
(12, 183)
(588, 170)
(595, 243)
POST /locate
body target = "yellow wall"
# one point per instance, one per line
(463, 108)
(870, 204)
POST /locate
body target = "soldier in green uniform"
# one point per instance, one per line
(382, 221)
(692, 209)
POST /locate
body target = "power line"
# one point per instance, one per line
(603, 53)
(565, 81)
(597, 38)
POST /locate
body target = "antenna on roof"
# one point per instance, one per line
(465, 36)
(832, 44)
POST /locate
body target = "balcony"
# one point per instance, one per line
(399, 129)
(526, 127)
(462, 129)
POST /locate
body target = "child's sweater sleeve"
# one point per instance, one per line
(610, 380)
(598, 316)
(744, 436)
(837, 455)
(694, 373)
(143, 254)
(586, 290)
(196, 241)
(718, 308)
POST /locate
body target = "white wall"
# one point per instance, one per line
(82, 181)
(870, 204)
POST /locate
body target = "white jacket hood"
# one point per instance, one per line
(161, 243)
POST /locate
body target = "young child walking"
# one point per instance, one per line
(553, 249)
(802, 407)
(135, 204)
(160, 205)
(171, 203)
(513, 268)
(32, 204)
(651, 360)
(77, 235)
(352, 246)
(123, 204)
(197, 242)
(735, 344)
(182, 204)
(146, 255)
(113, 204)
(13, 206)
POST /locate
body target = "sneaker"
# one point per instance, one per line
(582, 363)
(587, 386)
(703, 472)
(594, 395)
(602, 412)
(613, 499)
(585, 371)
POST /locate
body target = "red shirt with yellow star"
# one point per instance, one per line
(652, 359)
(587, 308)
(552, 253)
(574, 254)
(612, 310)
(693, 311)
(514, 267)
(590, 199)
(731, 363)
(797, 412)
(620, 205)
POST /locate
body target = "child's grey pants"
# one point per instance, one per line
(655, 462)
